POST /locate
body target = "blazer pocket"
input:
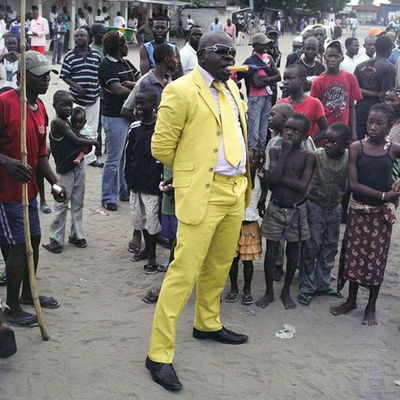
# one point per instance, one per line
(184, 166)
(181, 181)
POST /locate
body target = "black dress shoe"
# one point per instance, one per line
(164, 375)
(110, 206)
(223, 336)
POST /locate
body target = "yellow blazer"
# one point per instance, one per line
(187, 139)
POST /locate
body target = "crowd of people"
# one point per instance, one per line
(197, 165)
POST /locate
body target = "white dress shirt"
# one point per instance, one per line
(222, 166)
(188, 58)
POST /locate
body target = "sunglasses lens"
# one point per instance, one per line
(223, 50)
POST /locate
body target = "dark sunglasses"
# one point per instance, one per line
(222, 50)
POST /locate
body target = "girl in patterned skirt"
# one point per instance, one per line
(249, 244)
(371, 215)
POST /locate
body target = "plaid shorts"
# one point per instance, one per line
(12, 222)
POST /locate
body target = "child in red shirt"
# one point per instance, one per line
(337, 90)
(293, 84)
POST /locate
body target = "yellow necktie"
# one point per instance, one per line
(230, 134)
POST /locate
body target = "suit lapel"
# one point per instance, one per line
(205, 93)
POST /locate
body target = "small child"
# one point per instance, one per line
(280, 113)
(143, 176)
(10, 60)
(337, 90)
(294, 78)
(249, 245)
(324, 213)
(371, 215)
(258, 90)
(59, 31)
(83, 130)
(289, 175)
(65, 146)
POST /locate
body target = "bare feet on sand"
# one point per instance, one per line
(287, 301)
(264, 301)
(343, 308)
(369, 318)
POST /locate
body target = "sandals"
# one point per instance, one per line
(304, 298)
(151, 269)
(81, 243)
(30, 321)
(151, 296)
(330, 292)
(45, 302)
(133, 247)
(138, 256)
(53, 247)
(247, 299)
(232, 297)
(45, 209)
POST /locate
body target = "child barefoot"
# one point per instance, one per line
(286, 217)
(65, 146)
(249, 246)
(371, 215)
(143, 176)
(324, 212)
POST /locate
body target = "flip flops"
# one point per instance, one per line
(133, 247)
(232, 297)
(45, 209)
(247, 299)
(81, 243)
(53, 247)
(151, 269)
(330, 292)
(45, 302)
(30, 321)
(138, 257)
(8, 346)
(304, 298)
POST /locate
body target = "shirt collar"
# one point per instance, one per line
(190, 48)
(207, 76)
(112, 59)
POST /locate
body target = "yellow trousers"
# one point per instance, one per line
(203, 255)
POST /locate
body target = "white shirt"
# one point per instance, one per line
(81, 22)
(89, 19)
(222, 166)
(189, 23)
(251, 212)
(349, 64)
(119, 21)
(105, 16)
(364, 57)
(188, 58)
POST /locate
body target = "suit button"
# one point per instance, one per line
(218, 133)
(215, 150)
(208, 185)
(211, 169)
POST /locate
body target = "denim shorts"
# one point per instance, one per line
(12, 222)
(285, 223)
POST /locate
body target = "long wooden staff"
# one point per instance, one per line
(25, 204)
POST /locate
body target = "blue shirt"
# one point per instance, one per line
(394, 56)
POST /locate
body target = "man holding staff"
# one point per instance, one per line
(12, 174)
(201, 135)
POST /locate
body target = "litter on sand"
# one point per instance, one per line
(287, 332)
(397, 382)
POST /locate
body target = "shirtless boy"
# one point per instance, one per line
(290, 172)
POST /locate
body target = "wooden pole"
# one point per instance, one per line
(25, 203)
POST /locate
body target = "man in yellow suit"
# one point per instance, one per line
(201, 135)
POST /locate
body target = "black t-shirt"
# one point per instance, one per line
(377, 75)
(316, 70)
(142, 171)
(115, 71)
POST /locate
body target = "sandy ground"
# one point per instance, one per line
(100, 335)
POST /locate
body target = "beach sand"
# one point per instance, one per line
(100, 335)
